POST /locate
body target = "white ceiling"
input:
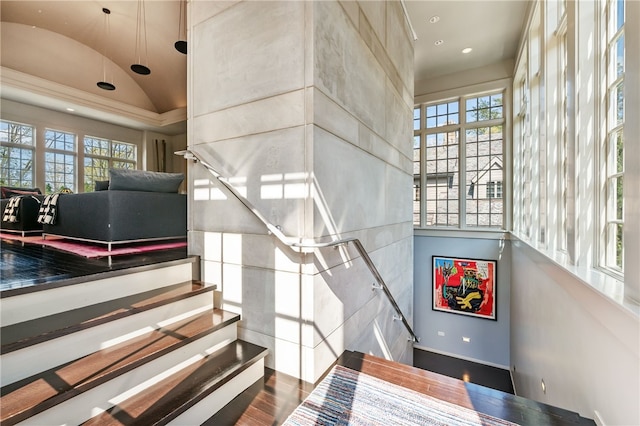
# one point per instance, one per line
(491, 28)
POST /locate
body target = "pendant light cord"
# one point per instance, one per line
(141, 36)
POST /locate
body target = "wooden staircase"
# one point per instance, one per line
(138, 347)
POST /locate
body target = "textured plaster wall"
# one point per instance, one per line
(307, 107)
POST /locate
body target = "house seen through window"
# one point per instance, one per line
(458, 162)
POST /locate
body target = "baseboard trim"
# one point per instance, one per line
(478, 361)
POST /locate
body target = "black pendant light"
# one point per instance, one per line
(104, 84)
(141, 42)
(181, 44)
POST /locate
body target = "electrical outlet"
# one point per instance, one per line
(441, 333)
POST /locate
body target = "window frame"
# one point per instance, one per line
(608, 201)
(502, 86)
(26, 147)
(580, 169)
(57, 151)
(109, 158)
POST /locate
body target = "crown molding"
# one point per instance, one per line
(28, 89)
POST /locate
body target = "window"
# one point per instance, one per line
(441, 170)
(102, 154)
(614, 140)
(59, 161)
(494, 189)
(17, 148)
(565, 150)
(569, 135)
(416, 172)
(460, 148)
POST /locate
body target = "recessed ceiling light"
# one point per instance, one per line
(467, 50)
(438, 42)
(434, 19)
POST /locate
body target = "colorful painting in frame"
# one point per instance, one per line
(465, 286)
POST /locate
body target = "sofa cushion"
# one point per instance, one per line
(12, 191)
(101, 185)
(142, 180)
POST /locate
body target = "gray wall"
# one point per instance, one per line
(307, 107)
(489, 339)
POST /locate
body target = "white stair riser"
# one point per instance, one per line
(26, 362)
(213, 403)
(95, 401)
(37, 304)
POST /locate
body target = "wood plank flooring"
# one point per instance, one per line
(271, 400)
(25, 265)
(468, 371)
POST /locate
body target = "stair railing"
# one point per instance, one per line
(301, 244)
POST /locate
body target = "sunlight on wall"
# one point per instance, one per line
(203, 190)
(240, 184)
(232, 279)
(232, 248)
(213, 246)
(287, 307)
(284, 186)
(386, 352)
(287, 358)
(232, 289)
(321, 205)
(212, 256)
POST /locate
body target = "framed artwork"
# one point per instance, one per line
(465, 286)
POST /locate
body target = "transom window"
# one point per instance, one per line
(17, 149)
(455, 148)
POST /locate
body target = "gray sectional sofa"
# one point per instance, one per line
(28, 210)
(137, 206)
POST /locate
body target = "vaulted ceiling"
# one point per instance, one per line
(52, 52)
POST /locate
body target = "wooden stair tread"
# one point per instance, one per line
(29, 396)
(469, 395)
(174, 395)
(98, 314)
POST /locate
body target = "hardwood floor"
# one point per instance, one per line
(472, 372)
(271, 400)
(26, 265)
(266, 402)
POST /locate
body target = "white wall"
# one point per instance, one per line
(489, 339)
(584, 346)
(459, 80)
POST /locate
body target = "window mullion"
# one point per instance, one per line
(462, 175)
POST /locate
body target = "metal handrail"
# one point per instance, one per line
(301, 244)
